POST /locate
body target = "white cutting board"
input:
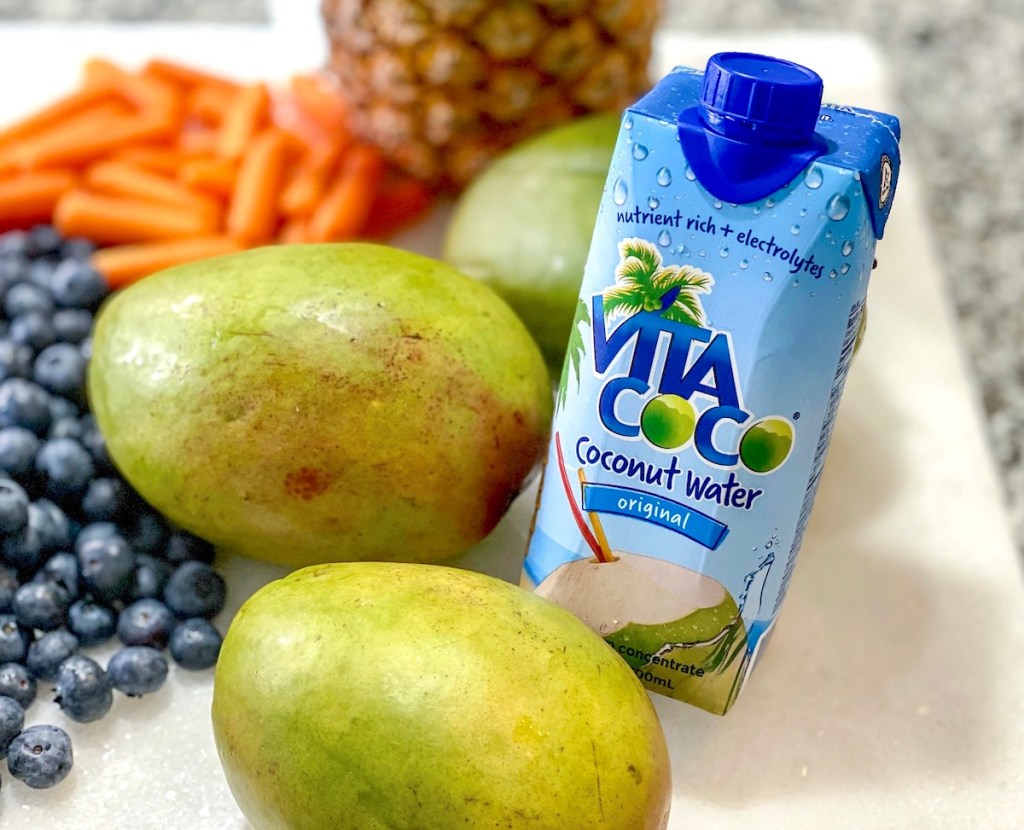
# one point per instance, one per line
(892, 695)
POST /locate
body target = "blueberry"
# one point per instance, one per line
(52, 524)
(18, 448)
(77, 284)
(137, 670)
(195, 590)
(95, 530)
(41, 605)
(77, 248)
(151, 575)
(91, 623)
(32, 329)
(66, 467)
(84, 691)
(41, 756)
(8, 585)
(12, 719)
(15, 359)
(47, 653)
(62, 408)
(43, 240)
(25, 297)
(106, 500)
(72, 325)
(13, 506)
(146, 622)
(39, 274)
(107, 567)
(195, 644)
(24, 404)
(186, 547)
(60, 369)
(15, 639)
(92, 439)
(148, 531)
(14, 244)
(16, 682)
(62, 569)
(23, 550)
(65, 426)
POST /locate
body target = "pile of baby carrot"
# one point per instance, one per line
(169, 164)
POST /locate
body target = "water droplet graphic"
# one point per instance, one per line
(795, 230)
(620, 192)
(814, 293)
(796, 416)
(664, 239)
(832, 274)
(796, 283)
(717, 205)
(769, 203)
(702, 253)
(838, 207)
(803, 211)
(690, 175)
(682, 250)
(757, 210)
(847, 248)
(753, 588)
(767, 276)
(724, 251)
(813, 178)
(639, 152)
(664, 177)
(844, 268)
(653, 203)
(744, 265)
(628, 124)
(828, 234)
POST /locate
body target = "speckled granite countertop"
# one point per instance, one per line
(956, 69)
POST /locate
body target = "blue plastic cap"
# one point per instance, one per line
(759, 99)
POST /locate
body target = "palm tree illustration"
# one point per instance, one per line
(644, 283)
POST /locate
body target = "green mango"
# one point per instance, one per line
(524, 226)
(381, 696)
(303, 404)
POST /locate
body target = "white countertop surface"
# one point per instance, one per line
(892, 695)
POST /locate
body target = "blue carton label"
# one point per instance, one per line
(702, 380)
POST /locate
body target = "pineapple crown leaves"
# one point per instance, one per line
(573, 353)
(643, 283)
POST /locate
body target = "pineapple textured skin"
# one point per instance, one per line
(442, 86)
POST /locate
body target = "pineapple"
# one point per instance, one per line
(441, 86)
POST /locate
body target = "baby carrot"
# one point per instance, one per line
(70, 106)
(209, 175)
(209, 103)
(31, 197)
(156, 158)
(124, 264)
(252, 213)
(123, 179)
(320, 101)
(247, 114)
(147, 94)
(111, 220)
(302, 193)
(187, 76)
(397, 206)
(86, 139)
(345, 207)
(293, 232)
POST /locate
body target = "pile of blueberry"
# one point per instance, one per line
(82, 557)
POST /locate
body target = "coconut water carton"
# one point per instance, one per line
(721, 307)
